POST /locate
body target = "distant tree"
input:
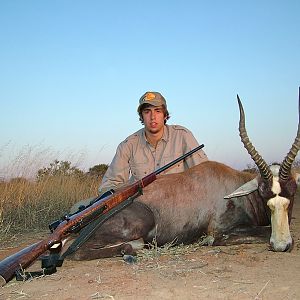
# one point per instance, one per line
(97, 170)
(251, 169)
(59, 168)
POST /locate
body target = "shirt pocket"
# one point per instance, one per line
(139, 170)
(177, 168)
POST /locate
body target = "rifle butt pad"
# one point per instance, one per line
(2, 281)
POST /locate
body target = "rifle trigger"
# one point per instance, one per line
(140, 190)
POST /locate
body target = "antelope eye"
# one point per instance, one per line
(288, 188)
(265, 191)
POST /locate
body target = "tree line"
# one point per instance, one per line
(65, 168)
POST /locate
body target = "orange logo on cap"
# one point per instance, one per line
(149, 96)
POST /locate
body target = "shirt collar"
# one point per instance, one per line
(164, 138)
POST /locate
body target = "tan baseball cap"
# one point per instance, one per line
(153, 98)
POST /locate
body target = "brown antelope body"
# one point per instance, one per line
(209, 199)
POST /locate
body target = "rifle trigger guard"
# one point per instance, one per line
(140, 190)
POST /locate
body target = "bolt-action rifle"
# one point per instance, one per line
(98, 211)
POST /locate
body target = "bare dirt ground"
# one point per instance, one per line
(189, 272)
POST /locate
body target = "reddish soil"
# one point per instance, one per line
(190, 272)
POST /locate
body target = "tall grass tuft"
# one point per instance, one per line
(31, 202)
(27, 204)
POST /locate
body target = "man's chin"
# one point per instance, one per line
(153, 130)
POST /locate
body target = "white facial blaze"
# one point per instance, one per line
(278, 205)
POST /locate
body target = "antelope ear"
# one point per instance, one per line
(245, 189)
(297, 178)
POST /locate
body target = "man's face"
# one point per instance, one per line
(153, 117)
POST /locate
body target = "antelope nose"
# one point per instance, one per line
(284, 248)
(289, 247)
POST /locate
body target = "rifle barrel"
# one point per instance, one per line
(174, 162)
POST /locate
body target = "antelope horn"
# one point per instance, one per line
(259, 161)
(286, 165)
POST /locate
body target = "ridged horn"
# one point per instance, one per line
(259, 161)
(286, 165)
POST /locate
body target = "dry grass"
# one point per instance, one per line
(27, 205)
(153, 251)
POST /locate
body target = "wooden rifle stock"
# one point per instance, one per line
(74, 223)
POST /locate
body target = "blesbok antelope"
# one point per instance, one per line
(183, 207)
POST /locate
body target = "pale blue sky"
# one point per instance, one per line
(71, 74)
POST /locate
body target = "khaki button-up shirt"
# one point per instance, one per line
(135, 157)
